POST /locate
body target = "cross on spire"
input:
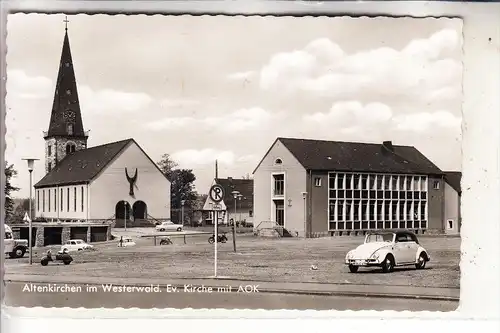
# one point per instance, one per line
(66, 23)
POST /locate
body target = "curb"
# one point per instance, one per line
(283, 291)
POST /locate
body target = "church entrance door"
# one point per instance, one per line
(140, 210)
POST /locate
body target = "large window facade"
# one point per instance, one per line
(376, 201)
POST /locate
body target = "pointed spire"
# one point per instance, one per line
(66, 117)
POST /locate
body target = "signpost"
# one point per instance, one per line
(216, 194)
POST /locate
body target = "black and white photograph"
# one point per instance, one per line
(222, 162)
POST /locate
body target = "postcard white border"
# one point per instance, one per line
(480, 285)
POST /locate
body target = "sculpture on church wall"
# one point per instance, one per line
(131, 181)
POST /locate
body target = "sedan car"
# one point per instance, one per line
(75, 245)
(169, 226)
(387, 249)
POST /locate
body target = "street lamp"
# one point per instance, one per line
(31, 165)
(304, 196)
(240, 196)
(235, 194)
(125, 210)
(182, 210)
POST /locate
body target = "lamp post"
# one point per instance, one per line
(125, 214)
(31, 164)
(235, 194)
(182, 210)
(240, 196)
(304, 196)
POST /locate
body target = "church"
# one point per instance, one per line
(114, 182)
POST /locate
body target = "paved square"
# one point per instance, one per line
(277, 260)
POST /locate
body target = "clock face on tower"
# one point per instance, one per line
(69, 115)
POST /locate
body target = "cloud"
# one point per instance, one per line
(420, 122)
(241, 75)
(350, 113)
(324, 69)
(194, 157)
(113, 101)
(21, 85)
(239, 120)
(178, 103)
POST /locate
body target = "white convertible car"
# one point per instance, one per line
(388, 249)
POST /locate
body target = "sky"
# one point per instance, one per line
(216, 87)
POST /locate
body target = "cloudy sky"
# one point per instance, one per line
(206, 88)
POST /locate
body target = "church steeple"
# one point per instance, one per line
(66, 133)
(66, 117)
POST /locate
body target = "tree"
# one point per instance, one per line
(22, 208)
(182, 188)
(10, 172)
(181, 185)
(167, 165)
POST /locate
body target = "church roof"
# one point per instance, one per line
(66, 105)
(84, 165)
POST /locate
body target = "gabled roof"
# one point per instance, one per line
(320, 155)
(244, 186)
(454, 179)
(66, 98)
(83, 165)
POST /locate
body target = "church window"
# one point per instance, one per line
(43, 200)
(82, 198)
(55, 200)
(49, 152)
(74, 199)
(70, 148)
(70, 129)
(38, 200)
(67, 64)
(50, 166)
(67, 200)
(48, 204)
(62, 205)
(68, 92)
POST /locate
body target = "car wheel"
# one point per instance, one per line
(422, 260)
(44, 262)
(20, 252)
(162, 229)
(388, 264)
(67, 262)
(353, 268)
(179, 229)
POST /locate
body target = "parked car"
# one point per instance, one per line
(126, 242)
(387, 249)
(74, 245)
(169, 226)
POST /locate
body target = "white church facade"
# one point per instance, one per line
(105, 182)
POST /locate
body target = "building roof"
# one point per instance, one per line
(66, 105)
(320, 155)
(83, 165)
(454, 179)
(244, 186)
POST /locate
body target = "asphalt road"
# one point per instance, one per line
(17, 294)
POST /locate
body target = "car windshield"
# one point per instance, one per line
(379, 237)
